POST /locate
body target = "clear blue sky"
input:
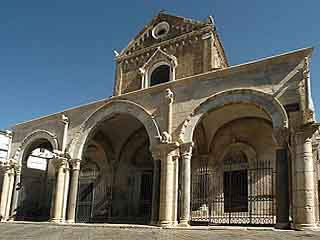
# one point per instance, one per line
(58, 54)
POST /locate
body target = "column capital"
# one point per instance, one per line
(8, 166)
(308, 130)
(60, 162)
(75, 163)
(186, 150)
(281, 136)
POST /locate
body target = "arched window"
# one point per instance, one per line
(160, 75)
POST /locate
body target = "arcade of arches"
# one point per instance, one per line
(230, 174)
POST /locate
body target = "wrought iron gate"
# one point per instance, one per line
(94, 196)
(237, 193)
(99, 200)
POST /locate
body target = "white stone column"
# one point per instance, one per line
(72, 201)
(186, 154)
(166, 189)
(6, 193)
(304, 192)
(61, 164)
(15, 194)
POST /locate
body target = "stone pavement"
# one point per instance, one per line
(46, 231)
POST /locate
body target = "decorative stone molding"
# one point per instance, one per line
(190, 37)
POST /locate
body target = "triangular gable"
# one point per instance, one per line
(178, 26)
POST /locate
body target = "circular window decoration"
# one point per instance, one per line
(160, 30)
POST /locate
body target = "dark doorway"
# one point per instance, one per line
(236, 191)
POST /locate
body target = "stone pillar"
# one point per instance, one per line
(73, 193)
(282, 178)
(304, 192)
(167, 187)
(155, 189)
(61, 164)
(186, 153)
(15, 196)
(8, 179)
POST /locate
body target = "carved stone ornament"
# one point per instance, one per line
(60, 160)
(186, 150)
(281, 136)
(169, 95)
(166, 138)
(75, 164)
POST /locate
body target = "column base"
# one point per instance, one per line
(69, 221)
(163, 223)
(184, 223)
(284, 225)
(302, 227)
(56, 220)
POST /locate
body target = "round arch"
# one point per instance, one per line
(107, 111)
(266, 102)
(32, 138)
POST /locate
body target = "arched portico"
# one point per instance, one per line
(228, 106)
(29, 178)
(121, 125)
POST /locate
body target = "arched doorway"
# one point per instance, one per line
(115, 184)
(37, 182)
(233, 168)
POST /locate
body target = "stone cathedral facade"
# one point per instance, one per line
(185, 140)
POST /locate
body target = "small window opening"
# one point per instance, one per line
(160, 75)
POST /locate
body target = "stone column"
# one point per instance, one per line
(282, 178)
(60, 164)
(73, 193)
(304, 192)
(9, 197)
(16, 191)
(155, 189)
(167, 187)
(186, 153)
(8, 175)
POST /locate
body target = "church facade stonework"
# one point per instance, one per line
(185, 140)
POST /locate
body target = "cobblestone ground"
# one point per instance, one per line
(53, 232)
